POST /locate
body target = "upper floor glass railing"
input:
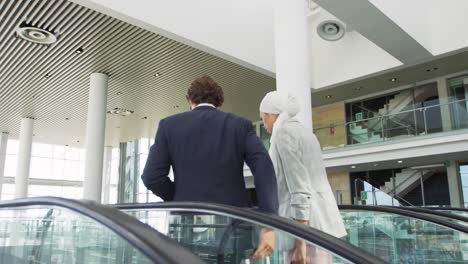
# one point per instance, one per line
(405, 124)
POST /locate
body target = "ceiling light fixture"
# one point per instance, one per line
(375, 165)
(119, 93)
(329, 96)
(400, 162)
(157, 74)
(353, 167)
(79, 50)
(393, 79)
(47, 75)
(120, 111)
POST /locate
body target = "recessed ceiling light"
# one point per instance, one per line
(119, 93)
(400, 161)
(375, 165)
(157, 74)
(145, 117)
(393, 79)
(328, 96)
(79, 50)
(353, 167)
(47, 75)
(429, 70)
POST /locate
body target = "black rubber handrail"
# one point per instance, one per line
(321, 239)
(157, 247)
(447, 209)
(402, 212)
(436, 213)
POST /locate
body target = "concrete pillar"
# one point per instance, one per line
(24, 158)
(454, 183)
(444, 100)
(95, 136)
(107, 174)
(292, 54)
(3, 152)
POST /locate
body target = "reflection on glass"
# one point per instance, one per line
(464, 180)
(223, 239)
(57, 235)
(399, 239)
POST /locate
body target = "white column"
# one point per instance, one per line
(454, 183)
(107, 174)
(444, 96)
(95, 135)
(292, 54)
(24, 158)
(3, 151)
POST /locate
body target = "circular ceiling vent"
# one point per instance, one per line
(331, 30)
(36, 34)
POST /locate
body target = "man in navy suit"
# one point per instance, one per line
(206, 149)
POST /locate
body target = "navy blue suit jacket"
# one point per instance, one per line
(207, 149)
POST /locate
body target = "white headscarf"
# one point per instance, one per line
(284, 104)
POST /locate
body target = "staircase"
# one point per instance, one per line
(363, 135)
(405, 181)
(370, 130)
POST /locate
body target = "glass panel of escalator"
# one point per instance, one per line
(218, 238)
(400, 239)
(39, 234)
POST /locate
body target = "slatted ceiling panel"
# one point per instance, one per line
(130, 55)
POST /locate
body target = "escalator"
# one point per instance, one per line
(390, 234)
(406, 235)
(55, 230)
(225, 234)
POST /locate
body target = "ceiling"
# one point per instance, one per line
(380, 34)
(447, 64)
(50, 83)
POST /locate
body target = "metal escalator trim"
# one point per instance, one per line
(319, 238)
(398, 211)
(148, 241)
(436, 213)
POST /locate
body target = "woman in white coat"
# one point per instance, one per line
(304, 192)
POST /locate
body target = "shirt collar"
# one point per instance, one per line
(205, 104)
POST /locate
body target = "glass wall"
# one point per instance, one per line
(407, 113)
(55, 170)
(144, 195)
(464, 181)
(402, 114)
(418, 186)
(458, 90)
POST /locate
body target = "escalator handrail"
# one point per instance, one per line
(321, 239)
(398, 211)
(447, 209)
(155, 246)
(436, 213)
